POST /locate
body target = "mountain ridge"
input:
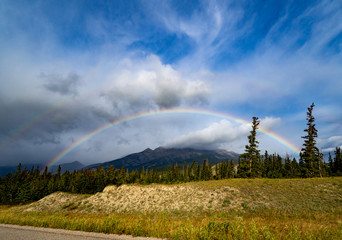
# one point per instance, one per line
(148, 158)
(164, 157)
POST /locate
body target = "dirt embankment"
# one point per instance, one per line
(143, 198)
(291, 195)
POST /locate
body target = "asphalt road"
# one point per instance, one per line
(14, 232)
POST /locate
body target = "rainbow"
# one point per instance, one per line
(17, 132)
(91, 134)
(24, 127)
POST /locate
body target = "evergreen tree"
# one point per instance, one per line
(217, 175)
(331, 165)
(287, 167)
(122, 176)
(250, 160)
(295, 169)
(205, 171)
(243, 166)
(338, 162)
(310, 154)
(278, 167)
(198, 173)
(185, 172)
(267, 165)
(24, 193)
(231, 169)
(210, 171)
(191, 171)
(110, 175)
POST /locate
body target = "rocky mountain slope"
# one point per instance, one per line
(164, 157)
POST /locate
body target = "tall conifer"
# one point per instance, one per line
(338, 161)
(250, 160)
(310, 154)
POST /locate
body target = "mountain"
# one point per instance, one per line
(160, 157)
(76, 165)
(164, 157)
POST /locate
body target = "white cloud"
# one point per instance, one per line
(151, 85)
(269, 123)
(331, 143)
(216, 135)
(222, 134)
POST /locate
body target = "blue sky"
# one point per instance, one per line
(69, 67)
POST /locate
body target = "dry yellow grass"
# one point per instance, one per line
(152, 198)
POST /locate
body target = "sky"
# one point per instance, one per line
(92, 81)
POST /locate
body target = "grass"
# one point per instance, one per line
(261, 225)
(292, 209)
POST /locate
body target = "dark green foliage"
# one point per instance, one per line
(335, 164)
(312, 159)
(243, 167)
(224, 170)
(250, 165)
(338, 161)
(295, 169)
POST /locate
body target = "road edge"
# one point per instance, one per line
(77, 232)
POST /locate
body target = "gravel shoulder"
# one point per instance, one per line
(14, 232)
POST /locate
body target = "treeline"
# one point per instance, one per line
(25, 186)
(274, 166)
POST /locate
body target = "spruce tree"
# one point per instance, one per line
(287, 167)
(310, 154)
(295, 168)
(331, 165)
(231, 171)
(338, 161)
(250, 160)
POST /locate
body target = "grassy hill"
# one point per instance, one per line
(225, 209)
